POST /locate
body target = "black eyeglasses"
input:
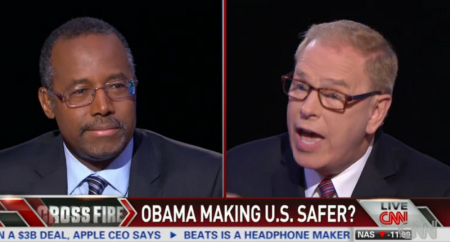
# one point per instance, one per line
(329, 98)
(80, 96)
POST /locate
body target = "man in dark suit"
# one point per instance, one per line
(339, 95)
(89, 86)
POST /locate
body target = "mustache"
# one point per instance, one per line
(102, 121)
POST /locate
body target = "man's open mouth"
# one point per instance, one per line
(309, 137)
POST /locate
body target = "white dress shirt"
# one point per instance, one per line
(117, 174)
(344, 183)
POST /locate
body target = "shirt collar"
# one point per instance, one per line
(344, 183)
(117, 173)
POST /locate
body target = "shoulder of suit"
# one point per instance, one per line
(22, 153)
(177, 149)
(266, 145)
(427, 167)
(407, 151)
(263, 155)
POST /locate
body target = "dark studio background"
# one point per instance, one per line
(177, 47)
(262, 37)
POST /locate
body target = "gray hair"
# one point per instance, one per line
(381, 61)
(72, 29)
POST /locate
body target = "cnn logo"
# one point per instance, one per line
(397, 212)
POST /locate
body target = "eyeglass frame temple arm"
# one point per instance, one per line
(361, 96)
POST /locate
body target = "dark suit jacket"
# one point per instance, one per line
(266, 168)
(160, 167)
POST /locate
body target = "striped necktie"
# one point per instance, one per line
(96, 184)
(326, 188)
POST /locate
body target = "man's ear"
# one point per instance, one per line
(380, 108)
(46, 102)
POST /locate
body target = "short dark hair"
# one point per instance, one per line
(72, 29)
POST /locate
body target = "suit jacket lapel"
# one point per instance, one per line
(289, 180)
(381, 164)
(51, 166)
(145, 168)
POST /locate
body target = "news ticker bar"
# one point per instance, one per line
(219, 234)
(101, 211)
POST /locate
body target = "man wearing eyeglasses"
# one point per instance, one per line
(339, 95)
(89, 86)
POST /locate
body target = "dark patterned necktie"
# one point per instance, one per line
(96, 184)
(326, 188)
